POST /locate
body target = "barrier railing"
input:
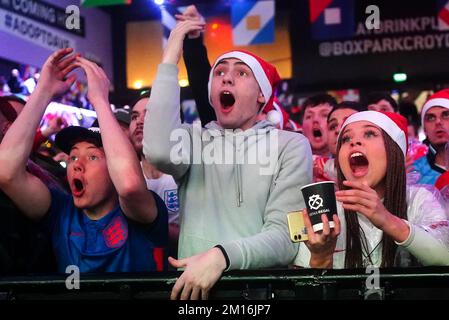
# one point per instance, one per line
(276, 284)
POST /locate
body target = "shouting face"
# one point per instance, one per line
(314, 127)
(235, 94)
(89, 180)
(362, 155)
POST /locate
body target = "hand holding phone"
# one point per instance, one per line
(296, 226)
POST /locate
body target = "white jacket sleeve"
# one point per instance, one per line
(428, 240)
(166, 143)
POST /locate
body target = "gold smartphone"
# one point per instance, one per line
(296, 226)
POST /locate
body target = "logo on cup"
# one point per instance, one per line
(315, 202)
(320, 199)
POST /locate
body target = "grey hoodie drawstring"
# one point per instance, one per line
(239, 185)
(238, 171)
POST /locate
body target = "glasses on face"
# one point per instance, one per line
(432, 117)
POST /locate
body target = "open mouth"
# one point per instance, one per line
(317, 133)
(77, 187)
(359, 164)
(227, 99)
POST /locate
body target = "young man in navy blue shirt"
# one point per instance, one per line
(110, 223)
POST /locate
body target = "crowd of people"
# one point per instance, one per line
(145, 192)
(22, 84)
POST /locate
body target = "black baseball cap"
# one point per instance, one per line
(123, 115)
(68, 137)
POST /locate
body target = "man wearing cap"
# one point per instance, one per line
(232, 216)
(435, 119)
(110, 222)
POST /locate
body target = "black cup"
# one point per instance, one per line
(320, 198)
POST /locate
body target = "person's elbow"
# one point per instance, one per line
(290, 253)
(131, 188)
(7, 175)
(157, 155)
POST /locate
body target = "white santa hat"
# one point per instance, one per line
(393, 124)
(438, 99)
(276, 114)
(266, 74)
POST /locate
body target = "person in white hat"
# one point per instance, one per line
(435, 120)
(232, 216)
(380, 221)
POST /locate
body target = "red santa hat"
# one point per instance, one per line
(438, 99)
(393, 124)
(276, 114)
(266, 74)
(442, 181)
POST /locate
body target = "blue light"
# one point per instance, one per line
(159, 2)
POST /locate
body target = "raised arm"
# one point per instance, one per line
(123, 165)
(30, 195)
(198, 67)
(162, 116)
(55, 125)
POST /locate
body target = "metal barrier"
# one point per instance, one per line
(278, 284)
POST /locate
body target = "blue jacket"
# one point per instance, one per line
(428, 170)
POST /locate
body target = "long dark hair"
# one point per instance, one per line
(394, 202)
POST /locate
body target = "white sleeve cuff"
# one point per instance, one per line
(411, 235)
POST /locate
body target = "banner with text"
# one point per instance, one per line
(33, 31)
(363, 41)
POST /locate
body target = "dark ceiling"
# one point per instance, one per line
(148, 10)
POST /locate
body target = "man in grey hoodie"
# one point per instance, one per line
(234, 201)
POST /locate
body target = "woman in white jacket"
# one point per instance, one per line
(381, 222)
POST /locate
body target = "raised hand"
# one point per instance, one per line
(98, 82)
(201, 272)
(322, 244)
(365, 200)
(53, 79)
(55, 125)
(173, 49)
(191, 13)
